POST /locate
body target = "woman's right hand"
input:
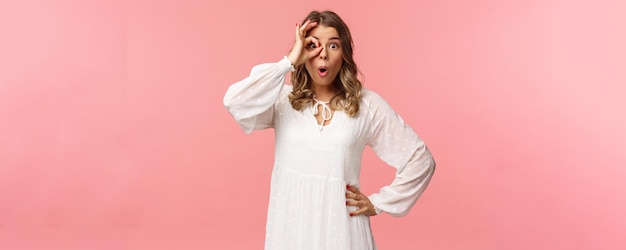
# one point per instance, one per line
(303, 49)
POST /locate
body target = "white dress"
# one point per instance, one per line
(313, 164)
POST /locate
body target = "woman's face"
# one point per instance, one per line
(324, 67)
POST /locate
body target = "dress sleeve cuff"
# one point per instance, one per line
(378, 210)
(286, 65)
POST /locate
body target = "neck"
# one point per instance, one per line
(323, 93)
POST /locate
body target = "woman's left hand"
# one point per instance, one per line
(354, 197)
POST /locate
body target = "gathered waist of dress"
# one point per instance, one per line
(339, 181)
(313, 176)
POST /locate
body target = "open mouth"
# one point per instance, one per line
(322, 71)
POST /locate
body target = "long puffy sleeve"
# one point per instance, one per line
(251, 100)
(399, 146)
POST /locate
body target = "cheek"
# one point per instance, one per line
(336, 55)
(337, 61)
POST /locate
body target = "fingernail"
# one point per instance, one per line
(351, 214)
(346, 203)
(347, 186)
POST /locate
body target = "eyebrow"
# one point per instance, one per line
(332, 38)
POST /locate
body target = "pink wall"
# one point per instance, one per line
(113, 134)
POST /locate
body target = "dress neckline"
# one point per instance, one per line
(326, 114)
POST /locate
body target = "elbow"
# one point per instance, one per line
(231, 97)
(225, 101)
(433, 165)
(428, 162)
(228, 99)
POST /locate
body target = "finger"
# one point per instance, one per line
(298, 36)
(353, 196)
(309, 39)
(313, 53)
(312, 49)
(302, 28)
(353, 189)
(359, 211)
(309, 26)
(353, 203)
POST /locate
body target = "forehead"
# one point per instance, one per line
(323, 32)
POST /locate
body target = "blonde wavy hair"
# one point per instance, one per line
(347, 87)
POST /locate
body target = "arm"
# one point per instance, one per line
(400, 147)
(251, 100)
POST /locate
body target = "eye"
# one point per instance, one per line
(312, 46)
(334, 46)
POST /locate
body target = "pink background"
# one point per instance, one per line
(113, 134)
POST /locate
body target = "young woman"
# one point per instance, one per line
(322, 123)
